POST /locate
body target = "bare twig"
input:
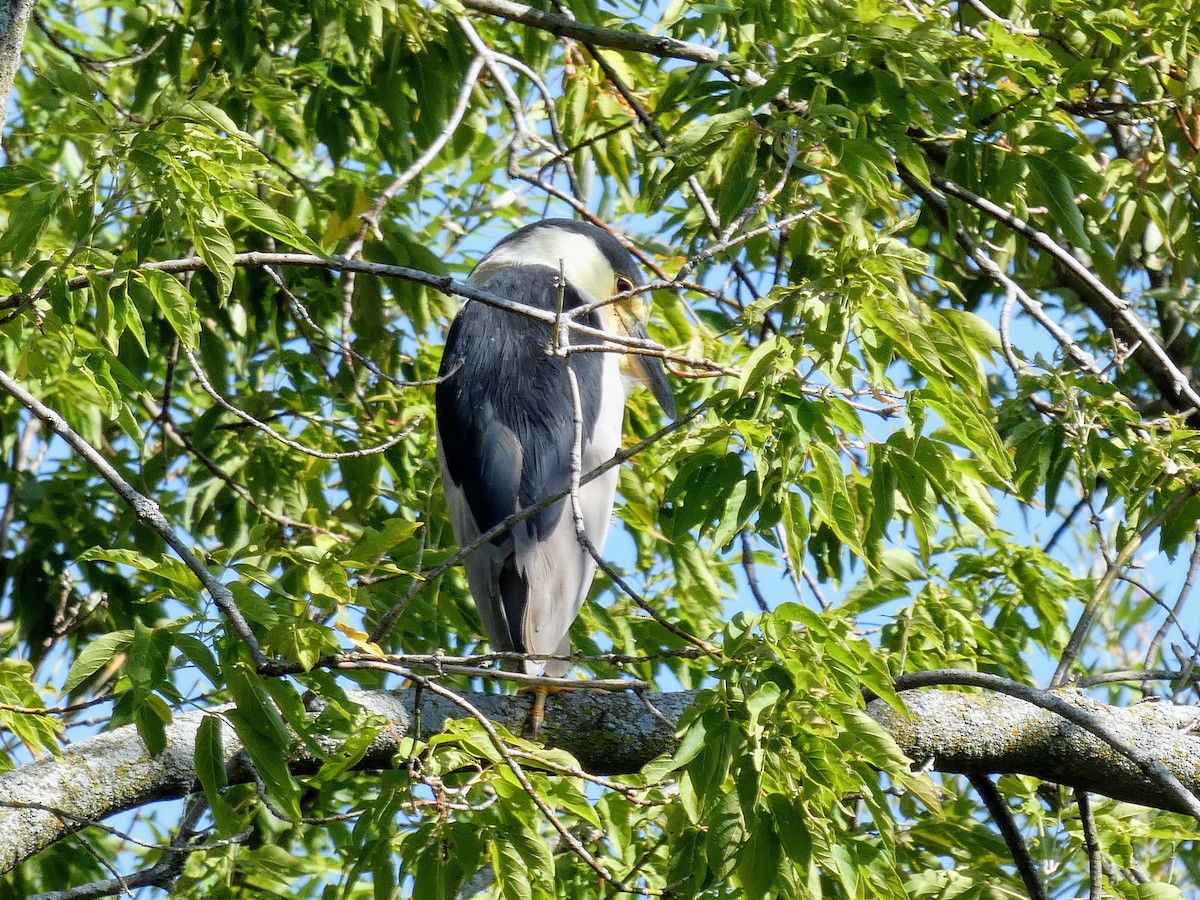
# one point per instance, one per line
(1112, 571)
(370, 219)
(748, 567)
(286, 441)
(1174, 613)
(1091, 842)
(1003, 818)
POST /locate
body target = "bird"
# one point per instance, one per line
(507, 415)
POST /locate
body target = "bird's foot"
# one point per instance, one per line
(537, 715)
(540, 692)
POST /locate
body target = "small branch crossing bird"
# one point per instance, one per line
(507, 420)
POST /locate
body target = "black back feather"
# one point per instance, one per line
(498, 370)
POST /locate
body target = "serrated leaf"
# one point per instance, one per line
(95, 656)
(149, 653)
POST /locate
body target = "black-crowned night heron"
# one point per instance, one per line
(506, 421)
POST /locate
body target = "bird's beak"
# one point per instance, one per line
(653, 375)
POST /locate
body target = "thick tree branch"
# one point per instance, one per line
(619, 733)
(14, 17)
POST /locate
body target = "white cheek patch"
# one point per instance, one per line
(573, 254)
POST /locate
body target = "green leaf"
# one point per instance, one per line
(270, 761)
(148, 656)
(348, 753)
(791, 827)
(15, 177)
(758, 863)
(209, 756)
(1052, 187)
(760, 367)
(867, 737)
(510, 870)
(95, 656)
(216, 249)
(256, 705)
(439, 872)
(175, 302)
(763, 697)
(254, 212)
(726, 830)
(152, 716)
(212, 115)
(200, 655)
(28, 217)
(1156, 892)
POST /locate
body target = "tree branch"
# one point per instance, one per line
(637, 41)
(612, 734)
(14, 17)
(144, 508)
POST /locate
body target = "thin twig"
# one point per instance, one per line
(286, 441)
(749, 569)
(1003, 818)
(1091, 842)
(1174, 613)
(1100, 593)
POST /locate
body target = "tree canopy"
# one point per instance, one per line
(881, 606)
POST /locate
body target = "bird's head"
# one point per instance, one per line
(599, 267)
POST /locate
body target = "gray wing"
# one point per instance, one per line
(505, 427)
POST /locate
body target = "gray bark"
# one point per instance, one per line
(943, 730)
(14, 17)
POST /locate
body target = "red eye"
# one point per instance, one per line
(623, 285)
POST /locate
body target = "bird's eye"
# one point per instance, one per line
(623, 285)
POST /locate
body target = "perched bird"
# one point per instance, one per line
(506, 422)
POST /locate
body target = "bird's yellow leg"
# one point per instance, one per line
(538, 714)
